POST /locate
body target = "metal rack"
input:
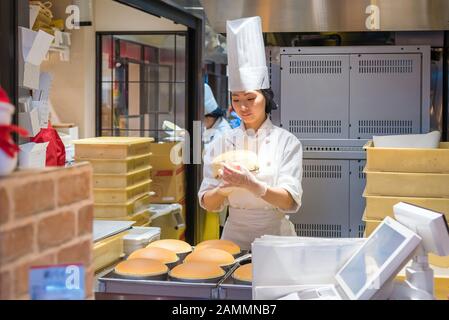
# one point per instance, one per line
(224, 289)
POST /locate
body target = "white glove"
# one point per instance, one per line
(241, 177)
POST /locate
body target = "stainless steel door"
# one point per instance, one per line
(385, 94)
(315, 96)
(325, 208)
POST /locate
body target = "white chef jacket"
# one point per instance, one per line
(213, 133)
(220, 126)
(280, 165)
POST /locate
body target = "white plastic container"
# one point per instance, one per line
(427, 140)
(140, 237)
(299, 260)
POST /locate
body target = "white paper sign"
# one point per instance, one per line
(30, 121)
(34, 12)
(33, 49)
(45, 82)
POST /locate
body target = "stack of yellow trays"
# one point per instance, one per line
(122, 176)
(416, 176)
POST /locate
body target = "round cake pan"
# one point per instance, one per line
(182, 256)
(241, 282)
(171, 265)
(212, 280)
(161, 277)
(228, 267)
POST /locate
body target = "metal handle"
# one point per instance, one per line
(243, 258)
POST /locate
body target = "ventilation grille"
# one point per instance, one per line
(362, 175)
(316, 67)
(361, 231)
(386, 66)
(385, 126)
(322, 171)
(315, 126)
(318, 230)
(322, 148)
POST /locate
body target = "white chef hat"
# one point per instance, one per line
(210, 104)
(247, 65)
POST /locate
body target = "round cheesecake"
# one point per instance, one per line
(177, 246)
(244, 273)
(163, 255)
(246, 158)
(211, 255)
(141, 268)
(224, 245)
(197, 271)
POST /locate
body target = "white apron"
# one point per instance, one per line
(245, 225)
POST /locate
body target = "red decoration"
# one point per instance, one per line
(6, 142)
(55, 150)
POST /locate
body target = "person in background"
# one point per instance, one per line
(214, 122)
(215, 125)
(234, 119)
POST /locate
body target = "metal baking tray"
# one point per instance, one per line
(223, 288)
(228, 290)
(112, 284)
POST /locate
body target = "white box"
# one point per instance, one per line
(73, 132)
(30, 122)
(33, 155)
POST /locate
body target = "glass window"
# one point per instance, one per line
(142, 83)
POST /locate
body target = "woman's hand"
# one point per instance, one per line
(240, 176)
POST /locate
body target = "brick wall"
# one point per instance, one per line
(46, 218)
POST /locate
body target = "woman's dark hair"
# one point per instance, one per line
(268, 94)
(217, 113)
(270, 105)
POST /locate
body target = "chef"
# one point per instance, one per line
(215, 125)
(214, 122)
(259, 202)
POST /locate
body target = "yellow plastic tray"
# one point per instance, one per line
(378, 207)
(129, 208)
(107, 196)
(119, 166)
(121, 180)
(111, 147)
(408, 160)
(140, 218)
(425, 185)
(107, 251)
(371, 225)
